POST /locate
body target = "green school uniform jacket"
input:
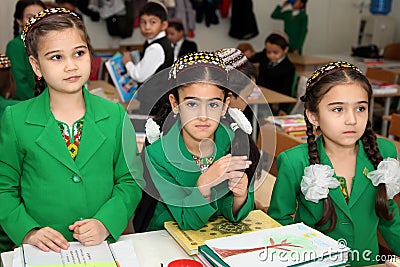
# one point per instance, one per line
(175, 175)
(294, 26)
(21, 69)
(41, 185)
(357, 221)
(5, 103)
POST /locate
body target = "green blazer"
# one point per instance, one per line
(175, 174)
(357, 221)
(41, 185)
(21, 69)
(294, 26)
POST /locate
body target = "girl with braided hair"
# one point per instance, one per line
(202, 164)
(343, 180)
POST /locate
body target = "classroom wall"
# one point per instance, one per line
(333, 27)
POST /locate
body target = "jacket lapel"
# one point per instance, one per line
(92, 137)
(335, 193)
(360, 181)
(50, 139)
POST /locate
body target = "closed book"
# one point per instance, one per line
(290, 245)
(384, 88)
(189, 240)
(300, 128)
(125, 85)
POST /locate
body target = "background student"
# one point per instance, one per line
(21, 69)
(181, 45)
(295, 23)
(276, 71)
(7, 84)
(157, 51)
(343, 181)
(200, 167)
(71, 170)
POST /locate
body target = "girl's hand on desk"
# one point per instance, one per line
(46, 239)
(226, 168)
(89, 232)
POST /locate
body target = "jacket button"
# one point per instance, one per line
(75, 178)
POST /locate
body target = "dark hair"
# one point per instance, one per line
(304, 4)
(19, 12)
(155, 9)
(55, 22)
(314, 93)
(276, 39)
(177, 25)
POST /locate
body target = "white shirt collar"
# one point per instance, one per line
(159, 35)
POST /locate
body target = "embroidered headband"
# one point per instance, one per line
(328, 68)
(196, 59)
(232, 57)
(42, 15)
(5, 62)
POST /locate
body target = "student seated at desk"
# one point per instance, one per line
(201, 165)
(69, 168)
(276, 71)
(344, 181)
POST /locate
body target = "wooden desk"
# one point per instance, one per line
(308, 63)
(268, 97)
(155, 248)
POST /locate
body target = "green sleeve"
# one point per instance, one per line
(14, 218)
(128, 180)
(225, 206)
(186, 204)
(301, 34)
(21, 69)
(285, 192)
(279, 14)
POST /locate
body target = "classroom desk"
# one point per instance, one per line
(156, 248)
(307, 62)
(268, 97)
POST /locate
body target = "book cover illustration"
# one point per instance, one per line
(284, 246)
(189, 240)
(125, 85)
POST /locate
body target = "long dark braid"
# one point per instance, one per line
(374, 155)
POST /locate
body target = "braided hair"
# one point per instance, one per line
(318, 85)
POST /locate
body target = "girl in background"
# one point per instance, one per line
(342, 182)
(71, 170)
(21, 69)
(295, 23)
(201, 166)
(7, 84)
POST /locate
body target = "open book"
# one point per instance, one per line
(125, 85)
(189, 240)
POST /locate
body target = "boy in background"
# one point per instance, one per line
(157, 50)
(276, 71)
(176, 34)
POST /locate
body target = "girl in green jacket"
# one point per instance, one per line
(203, 164)
(69, 168)
(343, 181)
(21, 69)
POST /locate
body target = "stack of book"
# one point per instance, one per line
(384, 88)
(291, 245)
(190, 240)
(294, 125)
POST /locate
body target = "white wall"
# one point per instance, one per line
(333, 27)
